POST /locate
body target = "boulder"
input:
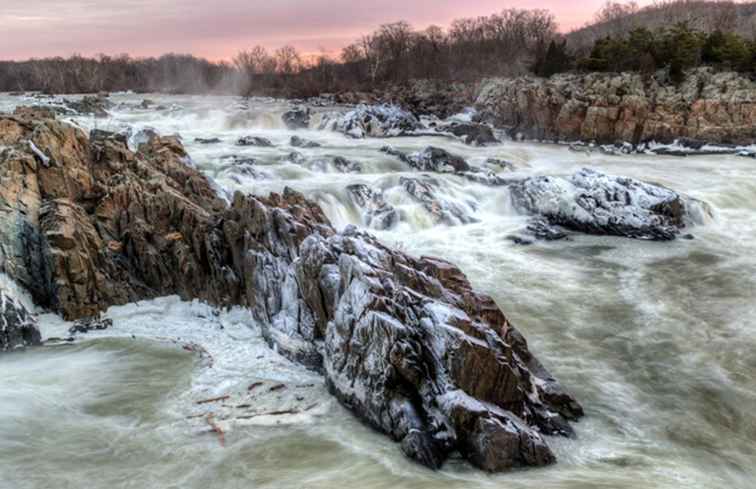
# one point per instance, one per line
(297, 118)
(298, 142)
(207, 140)
(374, 121)
(595, 203)
(472, 133)
(94, 105)
(254, 141)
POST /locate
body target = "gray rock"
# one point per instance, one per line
(377, 213)
(375, 121)
(298, 142)
(297, 118)
(595, 203)
(254, 141)
(18, 328)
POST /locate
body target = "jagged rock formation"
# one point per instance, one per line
(709, 106)
(405, 343)
(18, 328)
(373, 121)
(595, 203)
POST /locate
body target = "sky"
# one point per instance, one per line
(218, 29)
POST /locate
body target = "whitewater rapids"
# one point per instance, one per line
(655, 339)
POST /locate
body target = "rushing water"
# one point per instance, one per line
(656, 340)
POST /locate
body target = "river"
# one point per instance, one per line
(655, 339)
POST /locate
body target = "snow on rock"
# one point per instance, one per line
(18, 328)
(595, 203)
(375, 121)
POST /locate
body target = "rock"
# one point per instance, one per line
(254, 141)
(94, 323)
(710, 106)
(297, 158)
(298, 142)
(422, 97)
(94, 105)
(377, 213)
(374, 121)
(472, 133)
(423, 191)
(538, 229)
(595, 203)
(405, 343)
(298, 118)
(441, 161)
(18, 328)
(245, 167)
(346, 166)
(147, 103)
(207, 140)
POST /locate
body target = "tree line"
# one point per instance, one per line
(675, 49)
(510, 43)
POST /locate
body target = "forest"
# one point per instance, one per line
(671, 35)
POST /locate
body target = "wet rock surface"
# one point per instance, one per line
(297, 118)
(254, 141)
(471, 133)
(374, 121)
(596, 203)
(403, 342)
(298, 142)
(91, 104)
(377, 213)
(423, 190)
(18, 328)
(718, 107)
(85, 325)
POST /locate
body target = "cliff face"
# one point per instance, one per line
(607, 108)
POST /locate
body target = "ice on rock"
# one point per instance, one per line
(595, 203)
(375, 121)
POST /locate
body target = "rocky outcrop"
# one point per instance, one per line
(254, 141)
(405, 343)
(471, 133)
(439, 160)
(96, 105)
(439, 98)
(373, 121)
(710, 106)
(18, 328)
(377, 213)
(297, 118)
(595, 203)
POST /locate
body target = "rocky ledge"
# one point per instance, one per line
(405, 343)
(606, 108)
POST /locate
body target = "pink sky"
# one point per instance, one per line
(217, 29)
